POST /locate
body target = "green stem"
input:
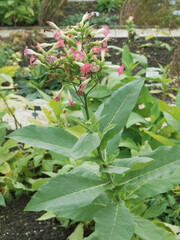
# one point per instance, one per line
(86, 107)
(78, 95)
(9, 109)
(91, 88)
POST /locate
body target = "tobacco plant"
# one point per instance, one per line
(102, 187)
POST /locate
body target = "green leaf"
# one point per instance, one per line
(67, 192)
(78, 233)
(99, 92)
(116, 169)
(119, 106)
(85, 145)
(112, 147)
(114, 222)
(141, 59)
(93, 236)
(148, 230)
(10, 71)
(5, 168)
(55, 139)
(155, 211)
(5, 78)
(45, 96)
(172, 110)
(134, 164)
(2, 135)
(86, 213)
(172, 121)
(2, 114)
(2, 202)
(127, 58)
(135, 118)
(46, 216)
(178, 99)
(167, 161)
(160, 138)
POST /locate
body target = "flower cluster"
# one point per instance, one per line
(74, 58)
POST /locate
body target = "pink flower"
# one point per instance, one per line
(60, 43)
(52, 24)
(84, 18)
(120, 69)
(58, 96)
(42, 45)
(70, 51)
(28, 51)
(32, 58)
(94, 68)
(82, 86)
(71, 102)
(85, 68)
(57, 35)
(95, 49)
(78, 55)
(50, 59)
(106, 30)
(79, 46)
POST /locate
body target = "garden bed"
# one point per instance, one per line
(15, 224)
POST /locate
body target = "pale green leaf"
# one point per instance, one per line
(119, 106)
(10, 71)
(114, 222)
(2, 202)
(55, 139)
(85, 145)
(67, 192)
(46, 216)
(78, 233)
(160, 138)
(167, 161)
(148, 230)
(135, 118)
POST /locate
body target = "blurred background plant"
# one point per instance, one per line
(19, 12)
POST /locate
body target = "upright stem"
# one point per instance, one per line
(86, 106)
(9, 109)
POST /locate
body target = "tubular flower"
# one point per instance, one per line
(42, 45)
(85, 17)
(94, 68)
(85, 68)
(34, 61)
(60, 43)
(32, 58)
(120, 69)
(105, 30)
(52, 24)
(71, 102)
(82, 86)
(58, 96)
(59, 34)
(79, 46)
(70, 51)
(28, 51)
(78, 55)
(95, 49)
(50, 59)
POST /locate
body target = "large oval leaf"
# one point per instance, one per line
(55, 139)
(85, 145)
(119, 106)
(68, 191)
(115, 222)
(148, 230)
(158, 177)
